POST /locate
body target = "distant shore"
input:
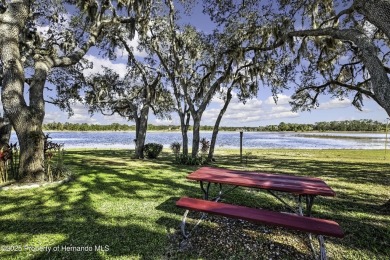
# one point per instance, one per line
(225, 139)
(227, 131)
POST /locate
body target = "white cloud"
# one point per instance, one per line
(81, 115)
(98, 62)
(285, 114)
(253, 112)
(335, 103)
(280, 109)
(79, 118)
(157, 121)
(52, 117)
(42, 30)
(65, 19)
(281, 100)
(115, 118)
(210, 115)
(120, 52)
(250, 105)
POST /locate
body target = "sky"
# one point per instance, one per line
(259, 111)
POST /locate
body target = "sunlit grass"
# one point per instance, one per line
(127, 206)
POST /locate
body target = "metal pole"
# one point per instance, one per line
(241, 134)
(387, 129)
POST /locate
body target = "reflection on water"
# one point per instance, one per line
(265, 140)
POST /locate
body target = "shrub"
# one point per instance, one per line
(152, 150)
(184, 159)
(175, 147)
(9, 162)
(54, 160)
(204, 145)
(60, 172)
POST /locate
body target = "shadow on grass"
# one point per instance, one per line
(109, 204)
(352, 172)
(128, 207)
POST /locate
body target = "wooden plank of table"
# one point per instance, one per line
(277, 182)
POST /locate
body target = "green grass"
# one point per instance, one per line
(127, 206)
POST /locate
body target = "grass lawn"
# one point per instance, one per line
(119, 208)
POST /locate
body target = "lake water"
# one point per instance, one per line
(265, 140)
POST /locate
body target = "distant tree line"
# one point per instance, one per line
(56, 126)
(347, 125)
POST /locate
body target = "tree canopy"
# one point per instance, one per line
(41, 40)
(336, 48)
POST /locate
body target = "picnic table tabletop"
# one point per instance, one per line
(299, 185)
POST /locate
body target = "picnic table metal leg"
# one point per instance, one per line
(309, 204)
(219, 193)
(223, 192)
(300, 211)
(282, 201)
(183, 223)
(322, 248)
(205, 191)
(202, 216)
(311, 245)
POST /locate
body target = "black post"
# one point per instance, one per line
(241, 134)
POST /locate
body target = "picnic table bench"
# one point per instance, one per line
(303, 187)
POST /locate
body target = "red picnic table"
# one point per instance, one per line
(307, 187)
(301, 186)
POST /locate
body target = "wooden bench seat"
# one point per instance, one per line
(261, 216)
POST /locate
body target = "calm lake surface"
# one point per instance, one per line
(265, 140)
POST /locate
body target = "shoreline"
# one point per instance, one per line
(226, 139)
(220, 131)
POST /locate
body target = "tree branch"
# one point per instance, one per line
(321, 88)
(367, 53)
(337, 17)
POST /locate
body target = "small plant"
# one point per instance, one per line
(204, 146)
(14, 161)
(175, 147)
(54, 160)
(4, 157)
(152, 150)
(8, 162)
(184, 159)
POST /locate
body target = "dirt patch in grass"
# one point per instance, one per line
(223, 238)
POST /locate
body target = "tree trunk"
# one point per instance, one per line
(25, 119)
(29, 131)
(31, 141)
(376, 11)
(216, 125)
(143, 126)
(195, 136)
(184, 124)
(137, 121)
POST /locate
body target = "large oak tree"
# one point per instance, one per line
(197, 66)
(337, 48)
(28, 56)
